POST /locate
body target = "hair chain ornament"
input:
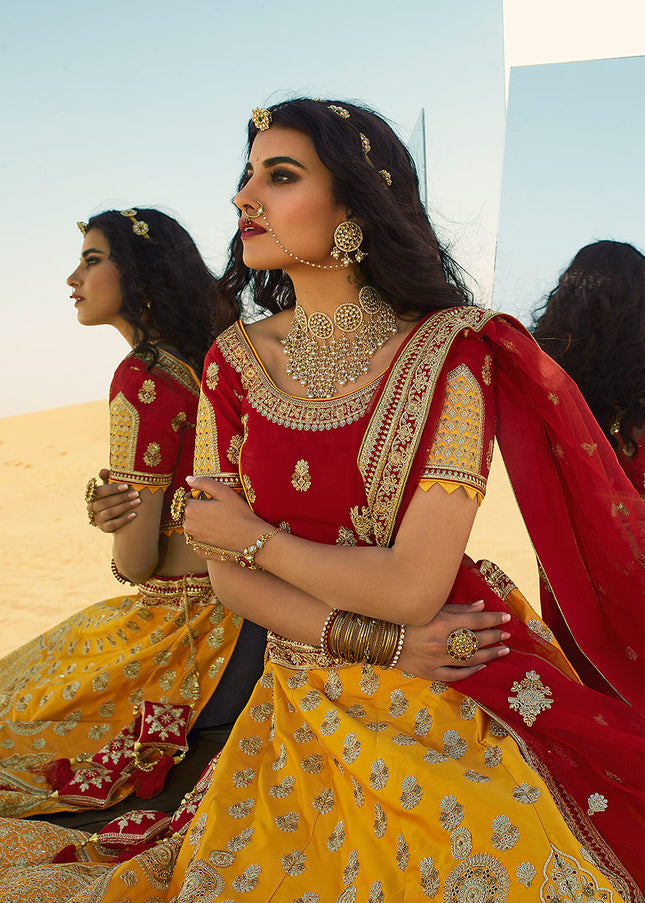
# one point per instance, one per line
(138, 225)
(262, 120)
(320, 360)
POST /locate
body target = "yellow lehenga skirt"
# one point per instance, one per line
(67, 693)
(340, 785)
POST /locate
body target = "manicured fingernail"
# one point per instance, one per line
(132, 514)
(122, 487)
(136, 501)
(480, 668)
(190, 480)
(505, 636)
(506, 618)
(478, 602)
(133, 495)
(503, 651)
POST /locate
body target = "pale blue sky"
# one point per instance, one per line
(573, 172)
(146, 103)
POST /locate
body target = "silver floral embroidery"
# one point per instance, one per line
(422, 722)
(505, 835)
(411, 793)
(402, 852)
(526, 793)
(461, 843)
(454, 745)
(350, 873)
(451, 813)
(379, 775)
(247, 881)
(526, 873)
(283, 789)
(351, 748)
(294, 863)
(398, 703)
(429, 877)
(540, 629)
(336, 838)
(475, 776)
(478, 878)
(287, 822)
(330, 723)
(596, 803)
(324, 802)
(468, 709)
(380, 820)
(531, 699)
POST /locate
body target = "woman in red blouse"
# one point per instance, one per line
(136, 669)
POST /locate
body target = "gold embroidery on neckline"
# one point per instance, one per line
(287, 410)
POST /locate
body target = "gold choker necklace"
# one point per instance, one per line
(320, 361)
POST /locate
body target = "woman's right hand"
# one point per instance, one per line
(113, 504)
(424, 649)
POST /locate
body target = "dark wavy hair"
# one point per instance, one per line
(593, 325)
(405, 261)
(169, 294)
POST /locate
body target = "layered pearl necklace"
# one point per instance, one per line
(321, 360)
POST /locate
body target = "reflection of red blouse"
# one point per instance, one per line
(297, 458)
(153, 413)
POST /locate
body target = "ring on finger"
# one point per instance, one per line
(462, 644)
(90, 497)
(178, 506)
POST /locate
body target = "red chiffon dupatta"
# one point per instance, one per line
(584, 734)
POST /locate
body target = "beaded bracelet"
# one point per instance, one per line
(247, 558)
(399, 648)
(118, 575)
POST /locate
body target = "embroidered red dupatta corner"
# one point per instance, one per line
(587, 525)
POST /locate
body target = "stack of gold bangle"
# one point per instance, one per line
(357, 639)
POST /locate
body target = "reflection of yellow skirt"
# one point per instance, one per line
(72, 689)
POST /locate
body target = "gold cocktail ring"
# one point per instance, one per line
(462, 644)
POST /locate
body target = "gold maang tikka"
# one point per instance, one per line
(321, 361)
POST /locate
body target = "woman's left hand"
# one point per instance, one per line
(223, 519)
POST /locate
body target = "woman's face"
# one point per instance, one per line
(96, 283)
(285, 174)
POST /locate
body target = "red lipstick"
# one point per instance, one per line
(248, 228)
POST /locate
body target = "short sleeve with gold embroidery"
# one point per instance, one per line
(462, 447)
(220, 431)
(149, 410)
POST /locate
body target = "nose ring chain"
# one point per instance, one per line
(317, 266)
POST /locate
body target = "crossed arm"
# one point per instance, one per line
(302, 580)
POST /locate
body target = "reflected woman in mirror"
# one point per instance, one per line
(99, 706)
(593, 325)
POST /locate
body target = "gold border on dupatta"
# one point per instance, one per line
(392, 437)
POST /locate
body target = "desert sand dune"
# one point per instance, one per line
(55, 563)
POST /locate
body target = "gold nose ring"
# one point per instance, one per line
(255, 215)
